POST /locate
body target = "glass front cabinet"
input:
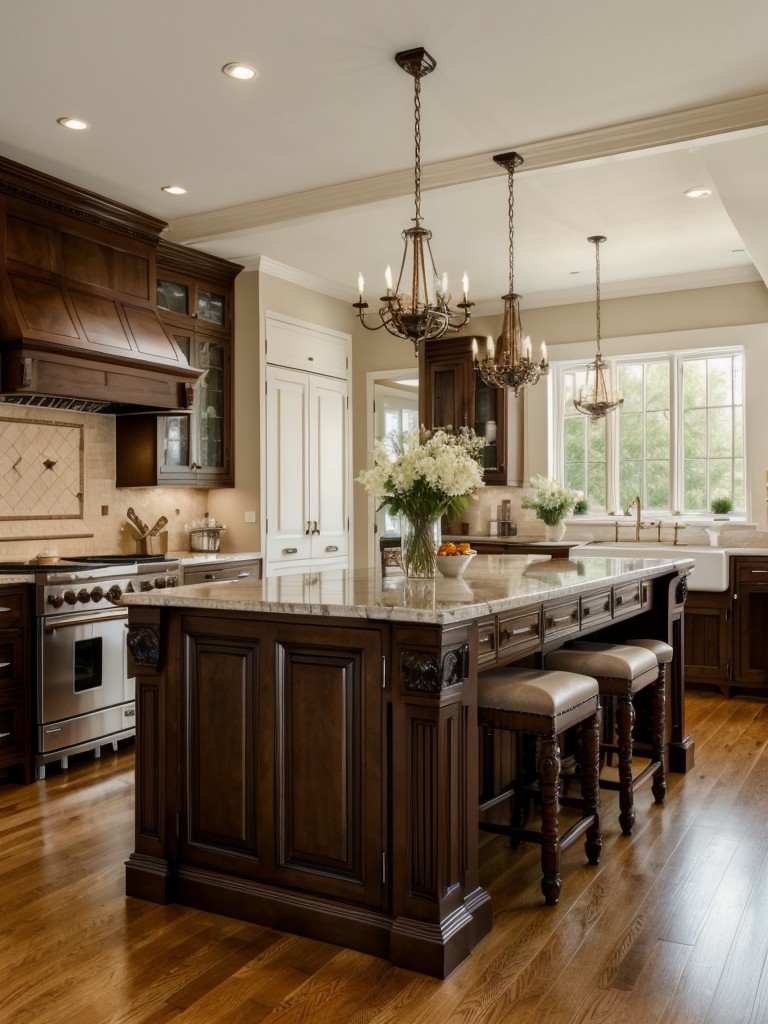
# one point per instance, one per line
(191, 448)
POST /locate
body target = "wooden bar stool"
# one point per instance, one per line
(622, 671)
(543, 704)
(656, 746)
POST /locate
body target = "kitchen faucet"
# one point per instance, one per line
(635, 503)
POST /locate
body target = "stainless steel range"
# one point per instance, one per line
(85, 697)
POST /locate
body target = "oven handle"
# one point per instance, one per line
(83, 620)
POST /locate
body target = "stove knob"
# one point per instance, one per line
(146, 585)
(83, 596)
(97, 593)
(173, 581)
(70, 597)
(114, 593)
(160, 582)
(56, 600)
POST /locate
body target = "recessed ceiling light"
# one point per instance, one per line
(699, 192)
(174, 190)
(243, 72)
(75, 123)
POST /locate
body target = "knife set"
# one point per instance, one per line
(150, 542)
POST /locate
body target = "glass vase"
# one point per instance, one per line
(419, 541)
(556, 531)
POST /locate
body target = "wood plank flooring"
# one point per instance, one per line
(670, 928)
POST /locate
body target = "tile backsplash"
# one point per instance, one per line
(57, 480)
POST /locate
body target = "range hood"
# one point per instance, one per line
(78, 323)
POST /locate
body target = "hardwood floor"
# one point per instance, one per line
(670, 928)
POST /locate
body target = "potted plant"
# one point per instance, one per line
(551, 502)
(721, 504)
(580, 504)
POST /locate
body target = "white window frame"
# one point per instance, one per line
(676, 360)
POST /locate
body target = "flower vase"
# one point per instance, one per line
(419, 541)
(556, 532)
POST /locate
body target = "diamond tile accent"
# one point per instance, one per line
(41, 470)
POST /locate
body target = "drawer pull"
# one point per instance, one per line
(507, 634)
(632, 600)
(56, 731)
(754, 572)
(4, 664)
(4, 735)
(130, 713)
(243, 575)
(4, 610)
(485, 639)
(559, 621)
(587, 610)
(332, 547)
(290, 551)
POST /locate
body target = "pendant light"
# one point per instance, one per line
(508, 364)
(596, 397)
(418, 306)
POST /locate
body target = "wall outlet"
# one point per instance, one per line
(250, 517)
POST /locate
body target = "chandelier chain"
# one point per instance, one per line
(417, 139)
(597, 293)
(511, 228)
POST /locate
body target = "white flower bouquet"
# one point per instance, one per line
(549, 500)
(423, 476)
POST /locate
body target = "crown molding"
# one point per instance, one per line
(265, 265)
(699, 124)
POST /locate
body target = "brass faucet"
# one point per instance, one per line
(635, 503)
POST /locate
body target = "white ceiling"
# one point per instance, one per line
(616, 108)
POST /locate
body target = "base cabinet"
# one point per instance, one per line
(16, 682)
(708, 626)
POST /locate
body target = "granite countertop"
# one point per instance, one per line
(205, 557)
(491, 583)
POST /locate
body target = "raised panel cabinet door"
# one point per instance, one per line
(287, 465)
(328, 783)
(328, 467)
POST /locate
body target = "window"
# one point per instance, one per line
(677, 440)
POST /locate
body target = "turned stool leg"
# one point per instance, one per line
(658, 702)
(549, 776)
(590, 785)
(625, 720)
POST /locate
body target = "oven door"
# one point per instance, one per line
(82, 664)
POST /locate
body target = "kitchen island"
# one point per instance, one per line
(307, 746)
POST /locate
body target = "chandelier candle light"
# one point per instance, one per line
(596, 397)
(418, 306)
(509, 364)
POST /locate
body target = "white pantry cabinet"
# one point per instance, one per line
(306, 461)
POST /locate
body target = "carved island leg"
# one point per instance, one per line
(147, 874)
(440, 911)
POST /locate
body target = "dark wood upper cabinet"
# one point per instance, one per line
(195, 302)
(452, 394)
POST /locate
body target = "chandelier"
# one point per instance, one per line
(596, 397)
(418, 306)
(509, 363)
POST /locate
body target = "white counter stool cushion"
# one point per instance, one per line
(543, 704)
(621, 671)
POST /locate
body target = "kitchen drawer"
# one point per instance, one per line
(12, 605)
(231, 571)
(561, 619)
(628, 598)
(518, 633)
(596, 608)
(486, 642)
(752, 570)
(11, 660)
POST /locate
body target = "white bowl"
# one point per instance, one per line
(453, 566)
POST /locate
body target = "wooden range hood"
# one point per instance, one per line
(78, 320)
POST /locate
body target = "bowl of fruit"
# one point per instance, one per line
(453, 559)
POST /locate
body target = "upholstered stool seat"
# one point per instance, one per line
(622, 671)
(544, 704)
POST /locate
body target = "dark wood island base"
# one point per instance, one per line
(318, 772)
